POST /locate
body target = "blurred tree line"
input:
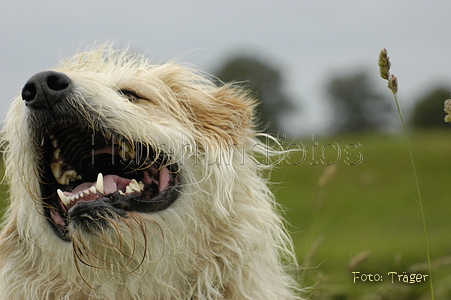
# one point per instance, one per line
(265, 83)
(358, 104)
(428, 111)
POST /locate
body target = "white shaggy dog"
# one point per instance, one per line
(136, 181)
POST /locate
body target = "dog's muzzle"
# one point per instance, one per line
(89, 174)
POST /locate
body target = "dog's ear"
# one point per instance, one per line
(226, 115)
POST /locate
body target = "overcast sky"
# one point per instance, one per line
(309, 41)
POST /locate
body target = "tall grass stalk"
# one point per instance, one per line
(384, 66)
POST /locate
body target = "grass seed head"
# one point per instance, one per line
(393, 84)
(384, 68)
(384, 64)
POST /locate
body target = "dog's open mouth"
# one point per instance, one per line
(86, 173)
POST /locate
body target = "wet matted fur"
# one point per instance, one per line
(136, 181)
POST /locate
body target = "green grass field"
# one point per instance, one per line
(363, 207)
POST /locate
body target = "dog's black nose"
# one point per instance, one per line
(46, 88)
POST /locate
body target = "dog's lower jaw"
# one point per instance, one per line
(93, 217)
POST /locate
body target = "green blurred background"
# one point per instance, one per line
(366, 217)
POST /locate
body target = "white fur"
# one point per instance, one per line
(221, 239)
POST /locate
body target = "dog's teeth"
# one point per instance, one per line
(56, 154)
(93, 189)
(126, 153)
(63, 197)
(121, 192)
(69, 175)
(86, 192)
(131, 154)
(141, 185)
(125, 147)
(81, 195)
(56, 169)
(55, 143)
(123, 155)
(128, 190)
(99, 184)
(134, 185)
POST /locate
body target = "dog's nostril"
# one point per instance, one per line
(45, 89)
(57, 82)
(28, 92)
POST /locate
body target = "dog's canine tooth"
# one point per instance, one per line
(125, 147)
(63, 197)
(126, 152)
(131, 154)
(121, 151)
(99, 185)
(122, 154)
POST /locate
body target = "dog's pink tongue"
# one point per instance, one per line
(165, 178)
(114, 183)
(111, 184)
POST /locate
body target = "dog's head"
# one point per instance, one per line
(116, 164)
(95, 159)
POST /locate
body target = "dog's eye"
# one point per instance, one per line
(131, 96)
